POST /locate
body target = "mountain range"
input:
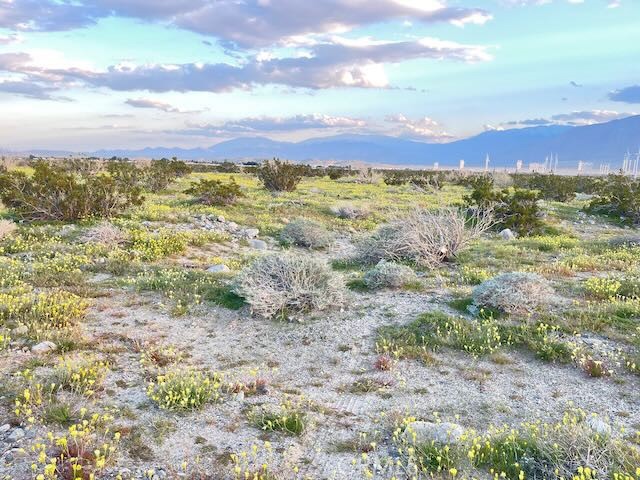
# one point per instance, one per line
(604, 143)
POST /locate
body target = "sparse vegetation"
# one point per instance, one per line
(281, 285)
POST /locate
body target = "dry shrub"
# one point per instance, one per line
(306, 233)
(425, 237)
(105, 233)
(277, 285)
(7, 227)
(348, 211)
(515, 292)
(389, 275)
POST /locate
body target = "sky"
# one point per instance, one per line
(85, 75)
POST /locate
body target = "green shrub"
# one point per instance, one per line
(215, 192)
(161, 173)
(617, 195)
(184, 390)
(279, 176)
(54, 192)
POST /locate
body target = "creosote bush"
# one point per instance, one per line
(161, 173)
(57, 192)
(279, 176)
(514, 293)
(216, 192)
(617, 195)
(389, 275)
(425, 237)
(306, 233)
(282, 284)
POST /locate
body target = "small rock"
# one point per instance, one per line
(5, 428)
(16, 435)
(218, 269)
(240, 396)
(258, 244)
(232, 226)
(599, 426)
(44, 347)
(21, 330)
(444, 433)
(220, 219)
(251, 232)
(507, 234)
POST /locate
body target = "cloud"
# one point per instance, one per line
(627, 95)
(155, 104)
(608, 3)
(11, 38)
(422, 128)
(340, 63)
(575, 84)
(247, 24)
(265, 124)
(27, 89)
(576, 118)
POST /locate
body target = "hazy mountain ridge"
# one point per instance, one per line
(600, 143)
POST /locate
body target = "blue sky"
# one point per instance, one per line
(85, 75)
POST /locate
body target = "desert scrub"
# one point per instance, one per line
(41, 313)
(550, 243)
(514, 293)
(306, 233)
(187, 288)
(83, 451)
(63, 191)
(81, 375)
(279, 176)
(478, 337)
(578, 447)
(474, 275)
(424, 237)
(184, 389)
(284, 284)
(288, 417)
(602, 288)
(150, 246)
(349, 211)
(435, 329)
(216, 192)
(389, 275)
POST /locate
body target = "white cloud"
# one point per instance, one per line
(422, 128)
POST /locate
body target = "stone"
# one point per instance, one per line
(444, 433)
(16, 435)
(258, 244)
(218, 269)
(251, 232)
(599, 426)
(220, 218)
(507, 234)
(21, 330)
(5, 428)
(44, 347)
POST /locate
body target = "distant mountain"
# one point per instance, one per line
(601, 143)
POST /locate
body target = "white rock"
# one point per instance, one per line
(16, 435)
(218, 269)
(599, 426)
(507, 234)
(220, 218)
(44, 347)
(444, 433)
(5, 428)
(258, 244)
(251, 232)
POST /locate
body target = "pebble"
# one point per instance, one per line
(258, 244)
(218, 269)
(44, 347)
